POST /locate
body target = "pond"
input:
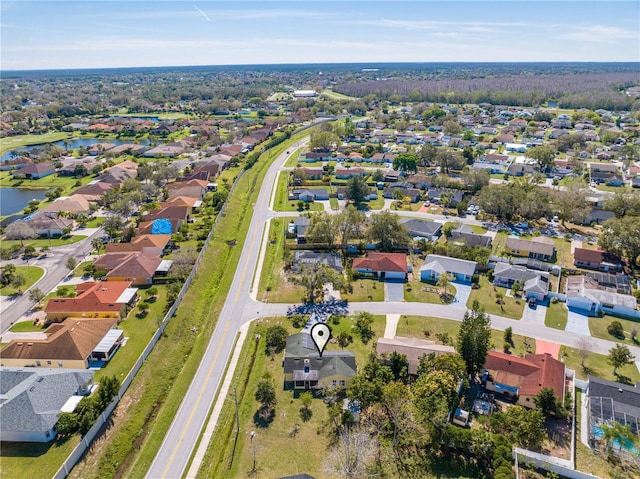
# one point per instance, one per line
(13, 200)
(73, 144)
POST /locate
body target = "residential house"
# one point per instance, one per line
(170, 151)
(385, 266)
(94, 191)
(412, 348)
(521, 379)
(587, 296)
(309, 195)
(416, 229)
(496, 164)
(179, 213)
(138, 268)
(393, 191)
(453, 196)
(596, 259)
(74, 343)
(332, 260)
(15, 163)
(435, 265)
(306, 370)
(35, 171)
(464, 234)
(536, 249)
(345, 173)
(312, 173)
(535, 284)
(115, 176)
(50, 224)
(420, 181)
(610, 402)
(191, 188)
(520, 169)
(299, 228)
(74, 205)
(101, 299)
(32, 400)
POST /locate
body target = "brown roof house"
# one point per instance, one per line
(100, 299)
(138, 268)
(35, 171)
(536, 249)
(522, 378)
(49, 224)
(412, 348)
(595, 259)
(74, 204)
(74, 343)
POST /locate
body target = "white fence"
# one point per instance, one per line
(548, 464)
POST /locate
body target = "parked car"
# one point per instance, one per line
(532, 302)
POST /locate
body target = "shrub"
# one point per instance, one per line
(616, 329)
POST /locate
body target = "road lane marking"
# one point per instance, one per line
(186, 428)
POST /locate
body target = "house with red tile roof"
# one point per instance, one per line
(139, 268)
(95, 300)
(521, 379)
(383, 265)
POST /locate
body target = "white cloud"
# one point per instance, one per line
(601, 34)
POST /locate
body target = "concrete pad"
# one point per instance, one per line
(394, 292)
(462, 294)
(391, 325)
(535, 315)
(543, 347)
(577, 323)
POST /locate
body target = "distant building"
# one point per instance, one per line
(305, 94)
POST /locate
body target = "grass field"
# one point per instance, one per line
(486, 296)
(294, 453)
(365, 290)
(42, 242)
(597, 365)
(598, 328)
(26, 327)
(426, 327)
(557, 316)
(67, 183)
(418, 291)
(21, 141)
(31, 275)
(35, 460)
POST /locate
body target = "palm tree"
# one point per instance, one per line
(618, 434)
(97, 244)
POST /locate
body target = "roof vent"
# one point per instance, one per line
(619, 390)
(29, 344)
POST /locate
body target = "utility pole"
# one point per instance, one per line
(253, 433)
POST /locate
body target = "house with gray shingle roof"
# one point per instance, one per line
(416, 228)
(435, 265)
(31, 400)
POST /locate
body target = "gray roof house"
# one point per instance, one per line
(305, 370)
(587, 296)
(434, 265)
(31, 399)
(612, 401)
(465, 234)
(300, 226)
(534, 283)
(332, 260)
(430, 230)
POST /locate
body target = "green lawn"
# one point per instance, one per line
(498, 243)
(42, 242)
(427, 327)
(26, 327)
(598, 328)
(20, 141)
(422, 292)
(597, 365)
(30, 273)
(274, 286)
(95, 222)
(564, 258)
(35, 460)
(48, 182)
(282, 202)
(365, 290)
(557, 316)
(294, 453)
(335, 205)
(376, 204)
(486, 296)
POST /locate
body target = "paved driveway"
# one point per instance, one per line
(578, 323)
(393, 292)
(462, 294)
(535, 315)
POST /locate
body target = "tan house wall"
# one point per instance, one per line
(44, 363)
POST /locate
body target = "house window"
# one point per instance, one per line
(59, 364)
(334, 382)
(47, 434)
(306, 369)
(343, 382)
(49, 362)
(38, 363)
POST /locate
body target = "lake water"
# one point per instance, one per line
(13, 200)
(73, 144)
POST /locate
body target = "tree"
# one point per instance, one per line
(508, 336)
(322, 229)
(113, 225)
(348, 225)
(547, 402)
(357, 189)
(399, 366)
(444, 280)
(620, 356)
(109, 386)
(276, 339)
(312, 277)
(36, 295)
(621, 237)
(266, 395)
(71, 263)
(544, 156)
(29, 251)
(18, 282)
(368, 384)
(406, 162)
(344, 339)
(96, 243)
(617, 433)
(20, 230)
(67, 423)
(584, 346)
(387, 231)
(434, 393)
(474, 338)
(353, 456)
(615, 329)
(572, 201)
(183, 261)
(8, 271)
(451, 363)
(364, 320)
(624, 202)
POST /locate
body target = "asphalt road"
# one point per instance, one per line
(55, 272)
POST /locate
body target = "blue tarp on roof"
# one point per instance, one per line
(161, 226)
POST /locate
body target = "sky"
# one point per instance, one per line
(51, 34)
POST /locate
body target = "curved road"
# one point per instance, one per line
(240, 307)
(55, 272)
